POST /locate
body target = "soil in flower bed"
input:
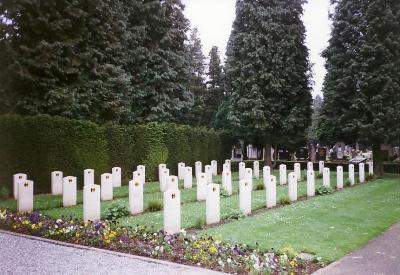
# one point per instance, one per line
(184, 248)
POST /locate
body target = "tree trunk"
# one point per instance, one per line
(312, 157)
(378, 160)
(267, 155)
(244, 151)
(275, 156)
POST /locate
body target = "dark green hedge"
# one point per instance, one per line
(39, 145)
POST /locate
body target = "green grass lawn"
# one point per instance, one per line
(329, 226)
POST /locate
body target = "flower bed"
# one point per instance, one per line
(184, 248)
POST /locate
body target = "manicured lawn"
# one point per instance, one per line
(329, 226)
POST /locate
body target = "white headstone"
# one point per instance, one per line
(351, 174)
(56, 182)
(116, 176)
(228, 163)
(249, 177)
(256, 168)
(326, 177)
(161, 167)
(361, 172)
(214, 167)
(201, 186)
(297, 171)
(25, 196)
(187, 183)
(164, 180)
(225, 167)
(227, 181)
(270, 190)
(135, 197)
(172, 212)
(69, 191)
(208, 171)
(321, 166)
(370, 168)
(88, 177)
(242, 170)
(173, 183)
(310, 183)
(91, 203)
(138, 175)
(106, 190)
(266, 173)
(17, 178)
(282, 174)
(339, 177)
(198, 168)
(292, 186)
(181, 170)
(245, 197)
(310, 166)
(213, 204)
(142, 173)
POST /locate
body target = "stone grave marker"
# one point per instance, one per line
(326, 177)
(135, 197)
(292, 186)
(116, 176)
(88, 177)
(266, 174)
(249, 177)
(245, 197)
(69, 191)
(187, 183)
(213, 204)
(91, 203)
(181, 170)
(161, 167)
(142, 173)
(310, 183)
(282, 174)
(361, 172)
(16, 179)
(56, 182)
(173, 183)
(25, 196)
(214, 167)
(270, 191)
(310, 166)
(227, 181)
(172, 212)
(106, 190)
(339, 177)
(351, 174)
(256, 169)
(198, 168)
(228, 163)
(208, 171)
(164, 180)
(242, 170)
(201, 187)
(370, 168)
(321, 165)
(297, 171)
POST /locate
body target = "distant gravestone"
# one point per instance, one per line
(172, 212)
(201, 187)
(142, 173)
(270, 191)
(310, 166)
(292, 187)
(326, 177)
(88, 177)
(225, 167)
(361, 172)
(256, 169)
(91, 203)
(282, 174)
(227, 182)
(228, 163)
(25, 196)
(297, 171)
(245, 197)
(106, 190)
(213, 204)
(69, 191)
(173, 183)
(116, 176)
(370, 168)
(321, 165)
(249, 177)
(187, 183)
(208, 171)
(161, 167)
(310, 183)
(266, 173)
(339, 177)
(16, 179)
(198, 168)
(214, 167)
(164, 180)
(181, 170)
(351, 174)
(56, 182)
(135, 197)
(139, 176)
(242, 170)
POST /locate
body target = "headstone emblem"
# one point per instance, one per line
(107, 177)
(26, 184)
(214, 189)
(69, 180)
(136, 184)
(93, 190)
(173, 196)
(57, 174)
(20, 177)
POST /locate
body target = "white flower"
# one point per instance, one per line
(229, 260)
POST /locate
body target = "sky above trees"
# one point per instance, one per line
(214, 22)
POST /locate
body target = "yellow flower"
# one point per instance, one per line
(213, 249)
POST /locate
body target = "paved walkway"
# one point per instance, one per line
(30, 255)
(380, 256)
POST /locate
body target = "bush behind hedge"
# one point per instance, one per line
(41, 144)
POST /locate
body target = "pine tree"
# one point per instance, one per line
(313, 130)
(268, 73)
(362, 87)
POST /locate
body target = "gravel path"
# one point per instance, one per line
(380, 256)
(30, 255)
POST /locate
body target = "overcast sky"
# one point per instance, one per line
(214, 18)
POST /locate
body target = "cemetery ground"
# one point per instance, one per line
(327, 227)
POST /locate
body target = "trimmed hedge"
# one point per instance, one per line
(42, 144)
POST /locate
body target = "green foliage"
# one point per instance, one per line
(260, 186)
(319, 176)
(323, 190)
(223, 193)
(284, 200)
(235, 215)
(115, 212)
(4, 192)
(200, 223)
(155, 205)
(267, 72)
